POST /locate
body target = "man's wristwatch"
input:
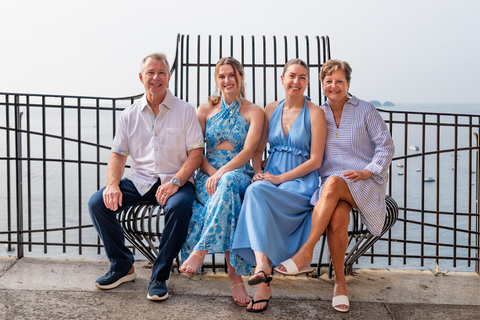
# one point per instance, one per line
(176, 182)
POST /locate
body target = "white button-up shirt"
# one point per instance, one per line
(157, 146)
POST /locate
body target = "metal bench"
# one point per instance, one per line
(360, 240)
(143, 224)
(263, 60)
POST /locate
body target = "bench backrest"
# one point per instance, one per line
(263, 59)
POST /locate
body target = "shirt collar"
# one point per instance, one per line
(353, 101)
(167, 101)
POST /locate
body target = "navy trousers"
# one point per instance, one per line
(177, 211)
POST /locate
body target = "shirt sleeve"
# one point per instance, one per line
(120, 142)
(383, 142)
(194, 135)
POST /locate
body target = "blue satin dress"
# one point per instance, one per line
(276, 219)
(213, 222)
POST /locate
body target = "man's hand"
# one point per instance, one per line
(165, 191)
(112, 197)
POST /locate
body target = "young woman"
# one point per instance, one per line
(232, 128)
(276, 213)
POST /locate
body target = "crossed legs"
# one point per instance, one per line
(332, 211)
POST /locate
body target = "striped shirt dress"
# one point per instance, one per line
(362, 141)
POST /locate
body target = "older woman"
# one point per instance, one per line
(275, 218)
(232, 127)
(354, 173)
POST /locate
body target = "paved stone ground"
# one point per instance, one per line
(45, 288)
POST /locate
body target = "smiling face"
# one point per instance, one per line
(335, 86)
(155, 76)
(227, 81)
(295, 80)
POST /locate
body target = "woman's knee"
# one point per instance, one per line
(333, 187)
(229, 180)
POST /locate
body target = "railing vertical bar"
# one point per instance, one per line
(19, 174)
(44, 167)
(455, 206)
(307, 43)
(275, 69)
(326, 45)
(254, 98)
(477, 205)
(29, 174)
(231, 46)
(422, 234)
(187, 67)
(181, 66)
(264, 71)
(114, 118)
(9, 170)
(62, 171)
(209, 65)
(198, 72)
(437, 200)
(175, 67)
(469, 196)
(242, 45)
(297, 55)
(97, 150)
(405, 166)
(80, 184)
(220, 47)
(318, 72)
(390, 193)
(286, 48)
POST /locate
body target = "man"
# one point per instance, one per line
(162, 135)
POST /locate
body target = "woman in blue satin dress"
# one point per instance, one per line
(232, 128)
(276, 214)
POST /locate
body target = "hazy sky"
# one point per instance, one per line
(402, 51)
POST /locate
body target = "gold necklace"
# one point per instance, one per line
(336, 134)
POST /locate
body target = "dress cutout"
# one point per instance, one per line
(213, 222)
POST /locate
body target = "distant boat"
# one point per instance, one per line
(429, 179)
(400, 173)
(400, 165)
(418, 170)
(413, 147)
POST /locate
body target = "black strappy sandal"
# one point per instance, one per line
(257, 280)
(259, 301)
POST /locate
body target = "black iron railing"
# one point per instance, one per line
(54, 150)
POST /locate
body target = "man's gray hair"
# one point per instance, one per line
(157, 56)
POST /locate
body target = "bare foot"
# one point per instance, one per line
(193, 262)
(239, 293)
(301, 259)
(264, 292)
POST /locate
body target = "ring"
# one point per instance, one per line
(163, 196)
(356, 174)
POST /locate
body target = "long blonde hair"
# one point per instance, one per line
(237, 70)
